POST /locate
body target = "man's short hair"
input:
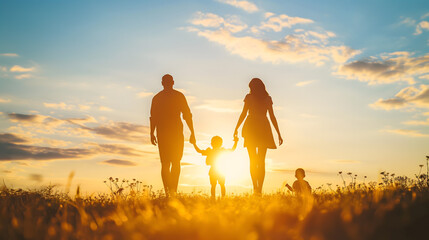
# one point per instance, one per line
(167, 79)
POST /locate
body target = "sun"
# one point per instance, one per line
(234, 166)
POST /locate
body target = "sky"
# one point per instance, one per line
(349, 81)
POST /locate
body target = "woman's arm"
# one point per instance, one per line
(241, 118)
(274, 121)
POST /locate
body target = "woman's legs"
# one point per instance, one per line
(253, 167)
(262, 152)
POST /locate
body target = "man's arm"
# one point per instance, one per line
(153, 123)
(187, 116)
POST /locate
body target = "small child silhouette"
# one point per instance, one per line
(300, 186)
(212, 160)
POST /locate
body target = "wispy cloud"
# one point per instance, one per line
(113, 130)
(407, 132)
(407, 97)
(18, 68)
(23, 76)
(105, 109)
(276, 23)
(304, 83)
(60, 105)
(292, 49)
(345, 161)
(389, 68)
(211, 20)
(218, 105)
(4, 100)
(423, 25)
(144, 94)
(244, 5)
(9, 54)
(119, 162)
(14, 147)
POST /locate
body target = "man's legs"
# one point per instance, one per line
(165, 174)
(174, 176)
(170, 152)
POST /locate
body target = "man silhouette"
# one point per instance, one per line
(165, 112)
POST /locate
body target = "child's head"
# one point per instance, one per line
(216, 142)
(300, 173)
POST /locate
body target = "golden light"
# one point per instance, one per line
(234, 166)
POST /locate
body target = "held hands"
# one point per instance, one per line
(153, 139)
(235, 138)
(235, 134)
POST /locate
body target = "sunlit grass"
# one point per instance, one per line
(397, 208)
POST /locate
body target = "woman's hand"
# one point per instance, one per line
(280, 140)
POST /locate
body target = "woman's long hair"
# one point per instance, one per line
(257, 88)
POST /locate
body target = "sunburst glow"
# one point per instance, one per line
(234, 166)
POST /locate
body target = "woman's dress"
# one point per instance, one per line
(257, 129)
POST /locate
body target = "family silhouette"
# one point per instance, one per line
(165, 119)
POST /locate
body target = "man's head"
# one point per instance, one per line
(216, 142)
(167, 81)
(300, 173)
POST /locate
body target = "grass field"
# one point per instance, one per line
(397, 208)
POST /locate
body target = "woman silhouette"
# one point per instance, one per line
(256, 132)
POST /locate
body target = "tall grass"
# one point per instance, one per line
(398, 208)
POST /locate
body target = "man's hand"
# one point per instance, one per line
(235, 133)
(153, 139)
(192, 139)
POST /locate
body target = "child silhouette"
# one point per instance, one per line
(212, 160)
(300, 186)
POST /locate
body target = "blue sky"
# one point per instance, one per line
(349, 81)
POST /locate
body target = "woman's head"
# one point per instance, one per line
(257, 87)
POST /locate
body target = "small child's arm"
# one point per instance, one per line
(289, 187)
(197, 148)
(235, 144)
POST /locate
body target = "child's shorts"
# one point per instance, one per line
(216, 177)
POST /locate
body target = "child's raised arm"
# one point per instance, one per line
(197, 148)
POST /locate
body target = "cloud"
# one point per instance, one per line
(105, 109)
(407, 132)
(9, 55)
(304, 83)
(35, 177)
(407, 97)
(84, 107)
(121, 130)
(408, 21)
(23, 76)
(244, 5)
(119, 162)
(225, 106)
(210, 20)
(13, 147)
(291, 49)
(144, 94)
(60, 105)
(393, 67)
(112, 130)
(18, 68)
(277, 23)
(418, 123)
(345, 161)
(423, 25)
(425, 16)
(3, 100)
